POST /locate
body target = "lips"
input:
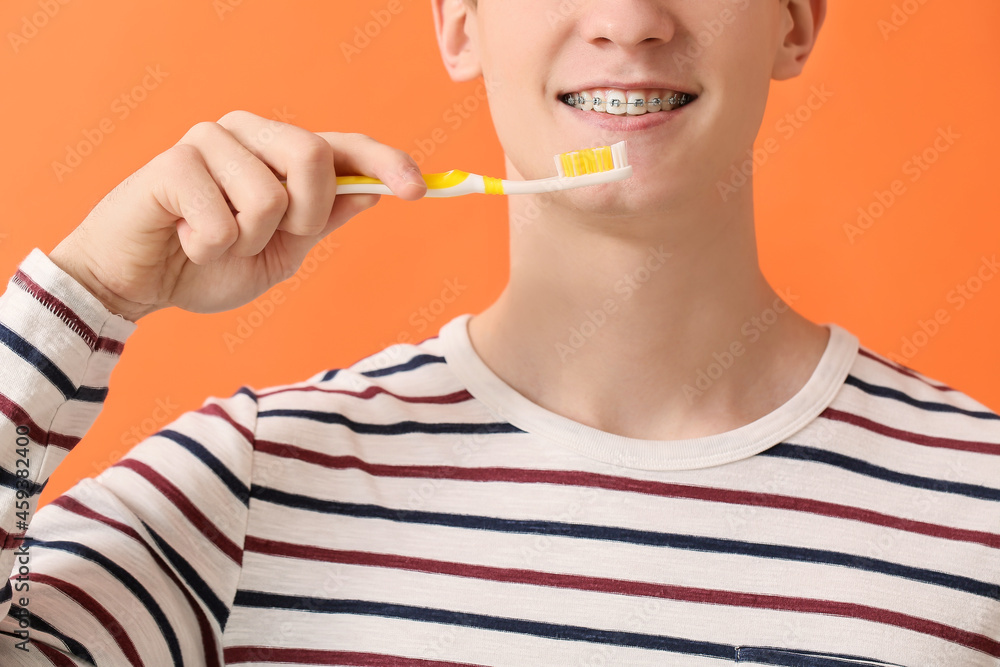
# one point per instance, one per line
(648, 84)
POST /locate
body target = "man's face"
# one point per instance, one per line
(535, 52)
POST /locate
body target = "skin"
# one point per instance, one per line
(567, 255)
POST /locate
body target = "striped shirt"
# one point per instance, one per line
(413, 509)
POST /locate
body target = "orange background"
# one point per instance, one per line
(890, 96)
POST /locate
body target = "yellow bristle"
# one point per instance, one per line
(588, 161)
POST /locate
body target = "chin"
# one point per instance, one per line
(620, 199)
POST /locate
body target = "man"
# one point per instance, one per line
(639, 455)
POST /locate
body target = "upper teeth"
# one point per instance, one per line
(632, 102)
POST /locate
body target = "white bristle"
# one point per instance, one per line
(559, 167)
(619, 155)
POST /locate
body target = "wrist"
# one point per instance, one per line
(67, 260)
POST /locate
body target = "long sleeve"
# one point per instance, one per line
(139, 565)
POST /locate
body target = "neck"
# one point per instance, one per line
(624, 324)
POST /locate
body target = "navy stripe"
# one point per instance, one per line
(415, 362)
(11, 481)
(239, 489)
(861, 467)
(36, 623)
(91, 394)
(786, 658)
(246, 392)
(192, 578)
(127, 580)
(34, 356)
(6, 593)
(49, 369)
(390, 429)
(933, 406)
(483, 621)
(632, 536)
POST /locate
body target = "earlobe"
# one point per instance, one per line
(455, 25)
(802, 22)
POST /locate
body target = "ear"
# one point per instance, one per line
(457, 36)
(801, 21)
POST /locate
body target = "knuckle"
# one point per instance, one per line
(316, 151)
(272, 199)
(311, 228)
(180, 158)
(358, 137)
(219, 235)
(235, 115)
(205, 128)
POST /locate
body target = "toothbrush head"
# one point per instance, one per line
(592, 160)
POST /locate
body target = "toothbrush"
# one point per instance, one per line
(576, 169)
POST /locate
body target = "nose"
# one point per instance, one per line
(625, 23)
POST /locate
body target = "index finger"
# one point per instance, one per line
(358, 154)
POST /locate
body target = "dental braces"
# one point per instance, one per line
(682, 99)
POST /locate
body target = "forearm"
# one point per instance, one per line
(58, 347)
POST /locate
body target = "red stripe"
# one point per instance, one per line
(10, 541)
(215, 410)
(909, 436)
(16, 414)
(57, 658)
(305, 656)
(66, 314)
(651, 488)
(902, 369)
(635, 588)
(208, 636)
(370, 392)
(187, 508)
(97, 610)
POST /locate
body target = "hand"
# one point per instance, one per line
(207, 226)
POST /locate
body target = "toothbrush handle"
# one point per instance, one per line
(357, 185)
(556, 183)
(362, 188)
(350, 185)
